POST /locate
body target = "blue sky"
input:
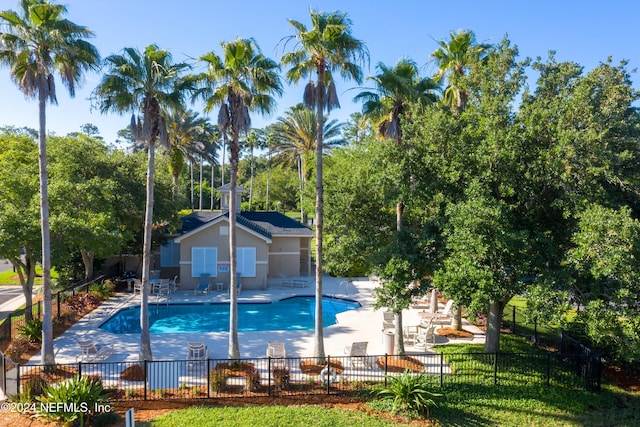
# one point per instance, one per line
(586, 32)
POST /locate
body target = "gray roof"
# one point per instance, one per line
(264, 223)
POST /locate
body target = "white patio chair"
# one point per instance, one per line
(198, 354)
(358, 354)
(90, 351)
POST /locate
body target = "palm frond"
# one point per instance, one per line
(223, 117)
(332, 97)
(309, 98)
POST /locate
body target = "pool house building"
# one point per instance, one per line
(267, 244)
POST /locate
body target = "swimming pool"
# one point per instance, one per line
(290, 314)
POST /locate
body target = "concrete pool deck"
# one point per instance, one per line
(363, 324)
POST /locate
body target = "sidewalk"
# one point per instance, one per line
(11, 298)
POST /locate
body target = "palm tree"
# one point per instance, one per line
(453, 58)
(384, 105)
(190, 137)
(37, 43)
(144, 82)
(243, 80)
(394, 89)
(326, 48)
(255, 139)
(294, 140)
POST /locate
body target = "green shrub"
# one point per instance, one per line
(32, 330)
(252, 379)
(410, 392)
(80, 395)
(280, 377)
(103, 290)
(217, 381)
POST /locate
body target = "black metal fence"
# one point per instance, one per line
(514, 319)
(10, 326)
(189, 379)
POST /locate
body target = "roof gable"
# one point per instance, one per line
(264, 224)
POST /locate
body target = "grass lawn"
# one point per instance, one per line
(11, 278)
(267, 416)
(545, 332)
(465, 405)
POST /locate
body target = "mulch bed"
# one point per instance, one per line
(133, 373)
(61, 373)
(310, 367)
(241, 369)
(400, 364)
(452, 333)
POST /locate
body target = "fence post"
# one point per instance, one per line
(18, 378)
(495, 368)
(4, 373)
(441, 370)
(548, 369)
(10, 321)
(269, 376)
(386, 368)
(145, 379)
(208, 378)
(328, 378)
(80, 368)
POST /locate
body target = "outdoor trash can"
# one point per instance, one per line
(388, 339)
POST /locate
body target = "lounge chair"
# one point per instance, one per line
(358, 353)
(92, 352)
(444, 315)
(276, 349)
(203, 286)
(291, 282)
(198, 353)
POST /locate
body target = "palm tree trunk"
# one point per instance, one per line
(301, 186)
(145, 336)
(251, 180)
(48, 358)
(234, 346)
(193, 206)
(200, 196)
(318, 351)
(213, 184)
(399, 338)
(224, 149)
(266, 203)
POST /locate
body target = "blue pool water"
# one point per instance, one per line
(291, 314)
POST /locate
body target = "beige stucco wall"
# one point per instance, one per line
(288, 255)
(211, 237)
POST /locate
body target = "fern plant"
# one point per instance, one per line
(80, 395)
(32, 330)
(410, 392)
